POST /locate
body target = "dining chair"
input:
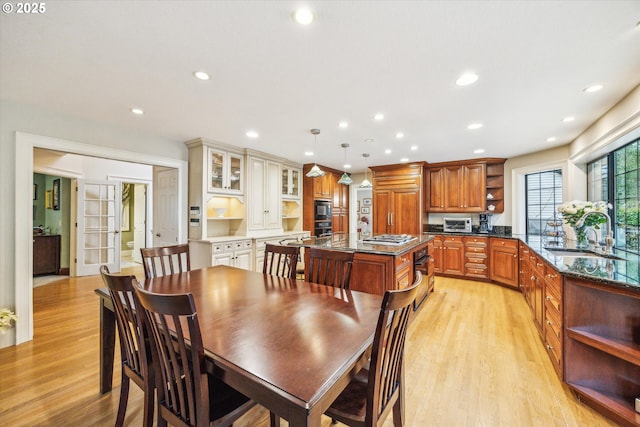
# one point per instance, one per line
(187, 395)
(280, 260)
(378, 389)
(300, 265)
(163, 260)
(329, 267)
(135, 349)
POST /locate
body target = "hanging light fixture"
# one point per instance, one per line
(345, 179)
(315, 171)
(366, 183)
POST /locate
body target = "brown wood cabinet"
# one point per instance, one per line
(602, 347)
(553, 317)
(325, 188)
(462, 186)
(437, 254)
(397, 198)
(46, 254)
(475, 252)
(503, 261)
(453, 255)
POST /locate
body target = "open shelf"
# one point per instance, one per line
(495, 186)
(621, 349)
(615, 406)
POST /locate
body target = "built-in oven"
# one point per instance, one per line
(322, 228)
(421, 264)
(322, 210)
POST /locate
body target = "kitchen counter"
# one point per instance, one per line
(623, 273)
(353, 243)
(376, 268)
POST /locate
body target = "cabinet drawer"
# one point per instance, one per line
(453, 239)
(553, 346)
(475, 249)
(553, 323)
(402, 261)
(476, 241)
(217, 248)
(553, 279)
(552, 299)
(505, 243)
(476, 271)
(477, 260)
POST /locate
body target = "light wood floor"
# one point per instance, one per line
(473, 359)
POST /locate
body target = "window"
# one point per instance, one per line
(543, 194)
(615, 178)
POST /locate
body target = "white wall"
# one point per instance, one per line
(21, 118)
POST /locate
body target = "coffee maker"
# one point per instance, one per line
(485, 223)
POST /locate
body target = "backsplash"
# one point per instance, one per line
(500, 230)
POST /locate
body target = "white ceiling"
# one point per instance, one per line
(97, 59)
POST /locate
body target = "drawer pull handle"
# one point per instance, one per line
(549, 347)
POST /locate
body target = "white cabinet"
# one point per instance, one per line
(265, 209)
(237, 253)
(275, 240)
(291, 182)
(224, 172)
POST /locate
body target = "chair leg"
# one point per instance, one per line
(124, 397)
(398, 411)
(149, 399)
(274, 420)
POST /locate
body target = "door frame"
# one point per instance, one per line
(25, 143)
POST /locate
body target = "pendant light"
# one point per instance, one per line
(315, 171)
(345, 179)
(366, 183)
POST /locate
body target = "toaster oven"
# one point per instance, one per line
(457, 225)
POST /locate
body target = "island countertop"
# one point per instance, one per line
(352, 242)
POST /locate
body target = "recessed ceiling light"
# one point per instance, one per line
(201, 75)
(467, 79)
(474, 126)
(568, 119)
(308, 153)
(414, 147)
(303, 16)
(347, 166)
(399, 135)
(343, 125)
(478, 151)
(404, 159)
(252, 134)
(378, 116)
(368, 140)
(387, 151)
(137, 111)
(593, 88)
(551, 139)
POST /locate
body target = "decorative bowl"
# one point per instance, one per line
(220, 212)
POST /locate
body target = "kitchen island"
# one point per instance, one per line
(377, 267)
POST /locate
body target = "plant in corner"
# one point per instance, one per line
(7, 317)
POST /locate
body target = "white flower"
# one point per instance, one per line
(6, 317)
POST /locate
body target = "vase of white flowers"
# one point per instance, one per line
(6, 319)
(573, 211)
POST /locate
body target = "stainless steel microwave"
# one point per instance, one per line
(457, 225)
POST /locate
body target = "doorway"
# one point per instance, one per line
(133, 224)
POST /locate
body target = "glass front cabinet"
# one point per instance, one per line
(291, 182)
(225, 172)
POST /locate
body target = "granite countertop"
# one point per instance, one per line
(622, 273)
(353, 242)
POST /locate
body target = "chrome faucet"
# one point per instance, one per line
(608, 242)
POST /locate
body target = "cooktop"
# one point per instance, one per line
(389, 239)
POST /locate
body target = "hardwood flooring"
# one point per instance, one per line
(473, 358)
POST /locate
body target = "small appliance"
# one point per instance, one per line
(323, 210)
(457, 225)
(485, 223)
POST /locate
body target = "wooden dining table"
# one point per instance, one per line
(290, 345)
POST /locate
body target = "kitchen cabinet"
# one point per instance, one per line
(453, 255)
(602, 347)
(397, 198)
(503, 261)
(553, 323)
(46, 254)
(431, 266)
(260, 246)
(265, 210)
(437, 254)
(462, 186)
(225, 172)
(325, 188)
(524, 273)
(291, 182)
(475, 252)
(234, 253)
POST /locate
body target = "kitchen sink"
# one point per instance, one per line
(580, 253)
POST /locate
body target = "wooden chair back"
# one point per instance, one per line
(164, 260)
(135, 348)
(185, 390)
(387, 355)
(329, 267)
(280, 260)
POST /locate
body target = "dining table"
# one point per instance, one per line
(292, 346)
